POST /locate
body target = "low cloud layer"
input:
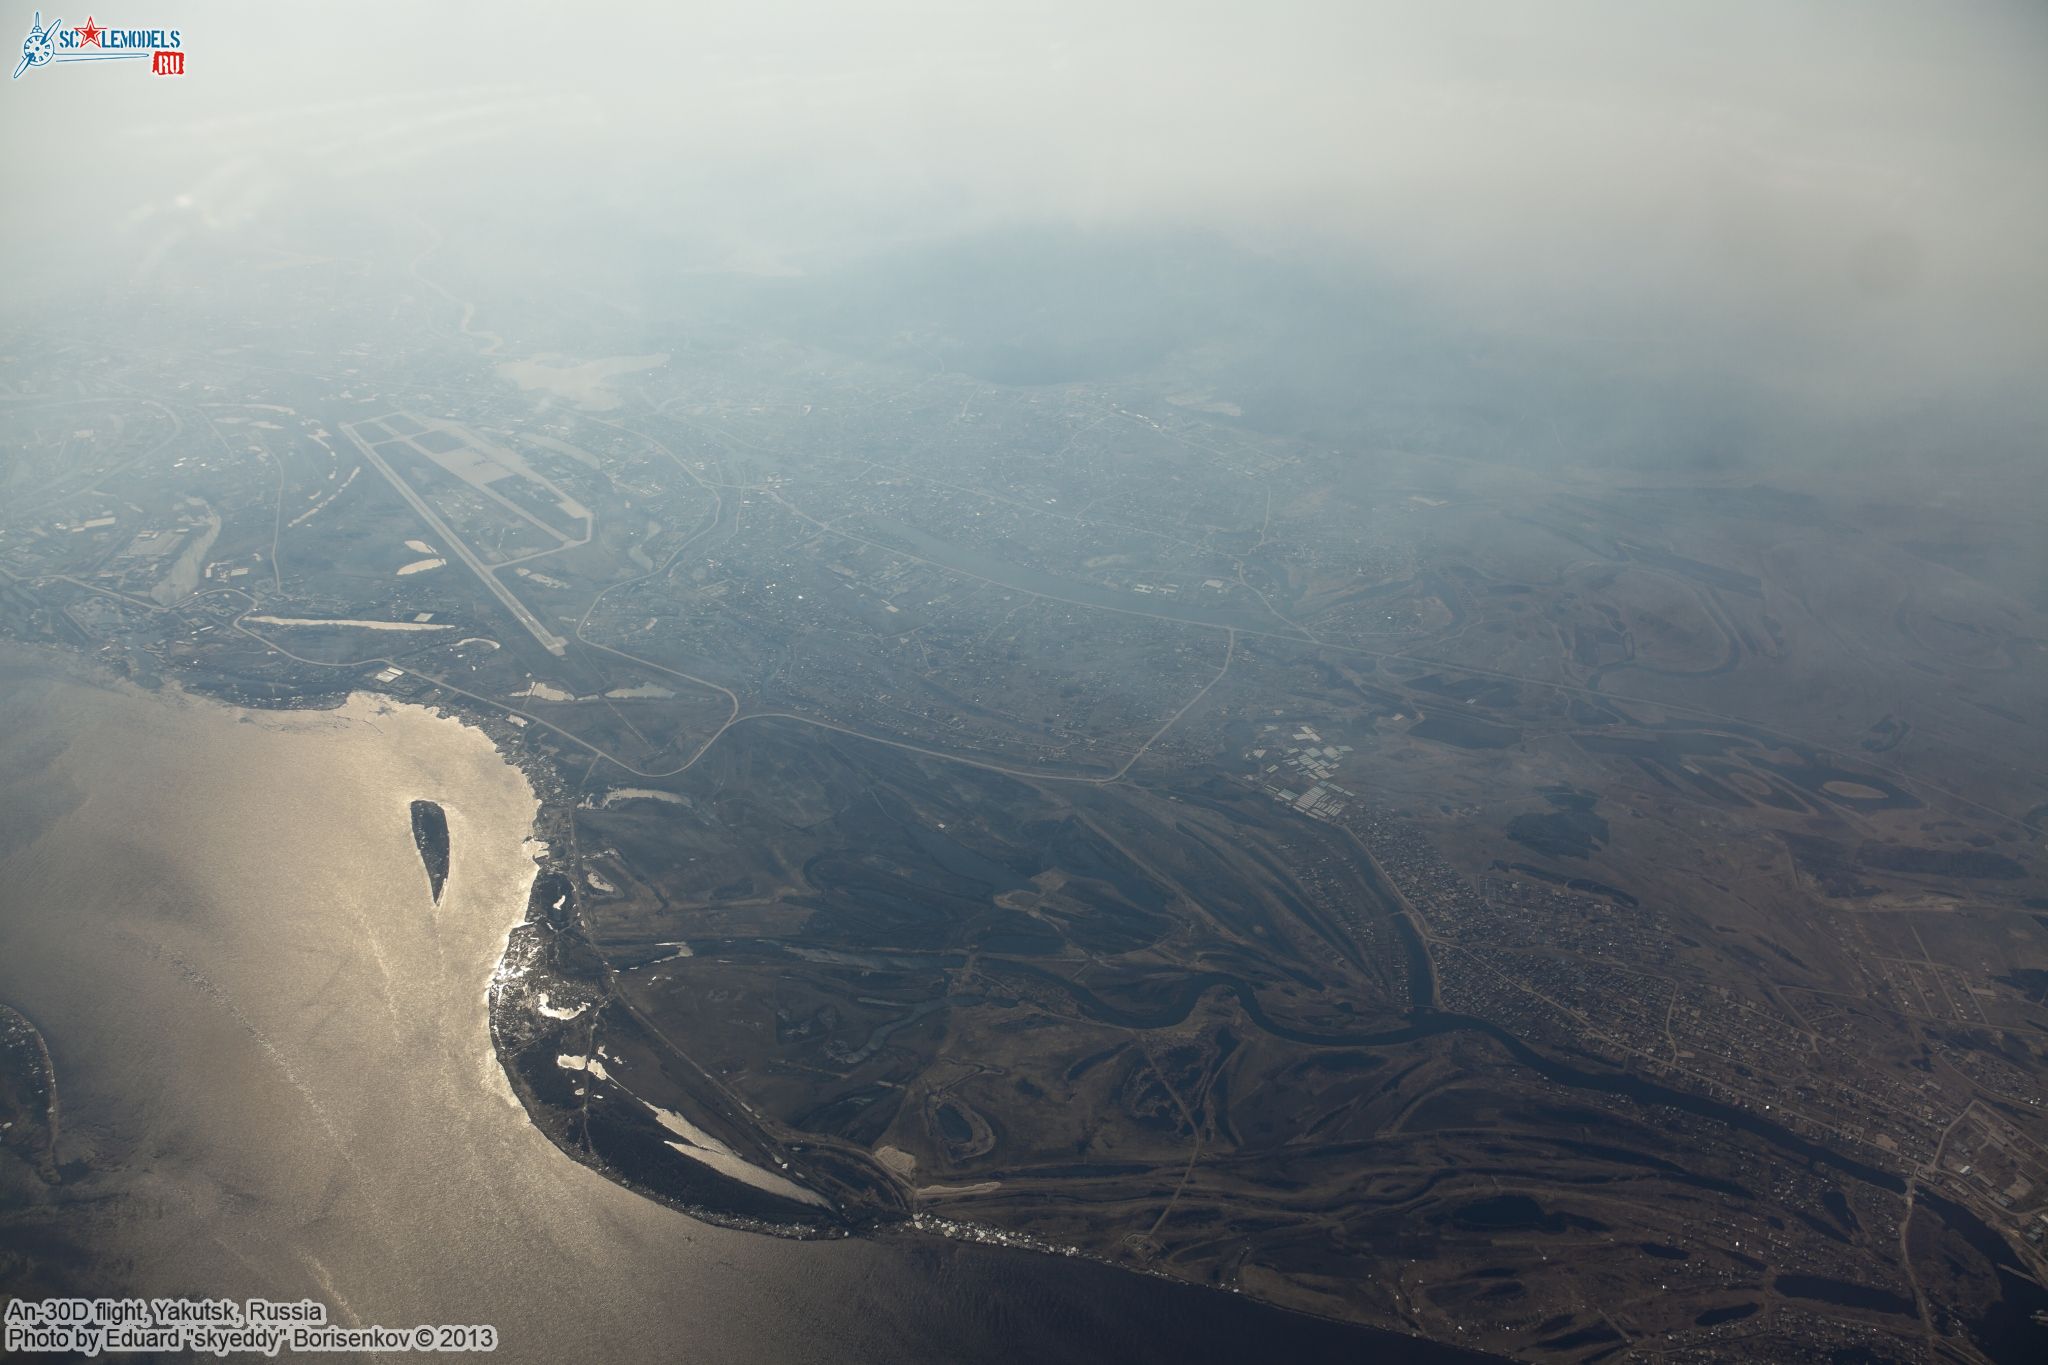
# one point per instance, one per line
(1843, 198)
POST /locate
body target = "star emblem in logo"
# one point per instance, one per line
(89, 36)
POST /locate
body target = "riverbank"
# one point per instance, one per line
(276, 1070)
(28, 1094)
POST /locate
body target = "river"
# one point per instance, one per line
(276, 1078)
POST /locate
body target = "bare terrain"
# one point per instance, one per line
(1578, 911)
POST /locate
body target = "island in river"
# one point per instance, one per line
(430, 832)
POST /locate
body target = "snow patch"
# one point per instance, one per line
(700, 1146)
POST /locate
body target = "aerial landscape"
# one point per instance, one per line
(1110, 742)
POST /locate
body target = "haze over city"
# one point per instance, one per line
(1165, 681)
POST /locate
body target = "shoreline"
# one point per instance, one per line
(522, 1036)
(32, 1135)
(528, 1035)
(509, 1014)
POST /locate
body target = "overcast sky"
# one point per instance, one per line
(1855, 192)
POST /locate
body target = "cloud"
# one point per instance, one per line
(1843, 196)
